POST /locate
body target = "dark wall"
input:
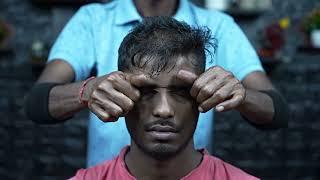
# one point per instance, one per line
(29, 151)
(282, 154)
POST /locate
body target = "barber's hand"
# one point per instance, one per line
(113, 95)
(215, 88)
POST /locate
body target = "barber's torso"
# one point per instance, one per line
(109, 24)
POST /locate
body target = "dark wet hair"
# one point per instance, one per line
(161, 38)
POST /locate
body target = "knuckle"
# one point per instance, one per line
(100, 116)
(94, 95)
(241, 97)
(237, 82)
(110, 120)
(112, 77)
(215, 68)
(102, 85)
(207, 91)
(103, 118)
(117, 112)
(106, 119)
(114, 73)
(219, 96)
(117, 73)
(130, 104)
(90, 105)
(197, 86)
(238, 85)
(205, 107)
(136, 97)
(241, 94)
(228, 74)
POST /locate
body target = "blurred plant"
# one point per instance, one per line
(6, 32)
(312, 21)
(273, 37)
(3, 32)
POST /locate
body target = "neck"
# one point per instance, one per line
(142, 166)
(148, 8)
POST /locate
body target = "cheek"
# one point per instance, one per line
(187, 112)
(139, 112)
(186, 106)
(142, 108)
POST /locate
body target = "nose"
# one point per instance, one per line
(163, 108)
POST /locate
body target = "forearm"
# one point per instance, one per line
(257, 107)
(266, 109)
(51, 103)
(64, 100)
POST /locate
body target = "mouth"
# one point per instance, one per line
(162, 128)
(162, 132)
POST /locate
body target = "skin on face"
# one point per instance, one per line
(163, 120)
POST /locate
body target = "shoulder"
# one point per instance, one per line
(96, 172)
(223, 169)
(109, 170)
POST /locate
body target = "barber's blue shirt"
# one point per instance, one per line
(93, 36)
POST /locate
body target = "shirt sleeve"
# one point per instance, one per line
(234, 51)
(75, 44)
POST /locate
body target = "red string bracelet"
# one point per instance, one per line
(81, 101)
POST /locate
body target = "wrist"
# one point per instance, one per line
(246, 100)
(85, 90)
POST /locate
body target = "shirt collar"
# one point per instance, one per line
(184, 12)
(126, 12)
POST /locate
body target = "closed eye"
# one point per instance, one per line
(147, 92)
(184, 92)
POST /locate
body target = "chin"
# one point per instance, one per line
(161, 151)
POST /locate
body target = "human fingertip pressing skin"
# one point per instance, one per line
(219, 108)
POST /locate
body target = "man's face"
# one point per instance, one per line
(164, 119)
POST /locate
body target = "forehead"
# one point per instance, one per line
(168, 77)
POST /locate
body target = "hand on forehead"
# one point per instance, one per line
(182, 77)
(139, 80)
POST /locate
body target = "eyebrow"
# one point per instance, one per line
(177, 86)
(170, 86)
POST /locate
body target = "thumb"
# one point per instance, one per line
(187, 76)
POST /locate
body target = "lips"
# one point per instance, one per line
(162, 132)
(162, 128)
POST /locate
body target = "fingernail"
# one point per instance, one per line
(200, 109)
(219, 108)
(138, 93)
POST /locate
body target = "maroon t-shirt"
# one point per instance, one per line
(211, 168)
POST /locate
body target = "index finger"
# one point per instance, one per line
(187, 76)
(139, 80)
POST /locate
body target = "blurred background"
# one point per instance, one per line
(285, 34)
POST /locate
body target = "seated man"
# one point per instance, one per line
(154, 60)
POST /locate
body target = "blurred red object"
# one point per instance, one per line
(6, 33)
(273, 38)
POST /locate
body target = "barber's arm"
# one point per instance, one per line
(254, 97)
(263, 106)
(55, 98)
